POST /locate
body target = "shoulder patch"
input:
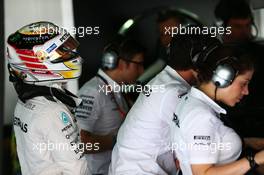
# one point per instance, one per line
(65, 118)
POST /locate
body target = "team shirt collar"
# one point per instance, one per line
(174, 74)
(204, 98)
(109, 80)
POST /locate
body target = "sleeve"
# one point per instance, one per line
(201, 139)
(88, 112)
(167, 162)
(64, 143)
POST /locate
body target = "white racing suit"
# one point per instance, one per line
(47, 139)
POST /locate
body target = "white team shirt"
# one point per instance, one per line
(45, 131)
(145, 135)
(99, 115)
(198, 134)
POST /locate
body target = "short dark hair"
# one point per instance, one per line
(183, 49)
(129, 48)
(125, 48)
(227, 9)
(240, 60)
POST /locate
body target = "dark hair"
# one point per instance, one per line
(184, 48)
(227, 9)
(240, 60)
(164, 15)
(125, 48)
(129, 48)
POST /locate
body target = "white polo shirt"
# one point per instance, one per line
(47, 139)
(145, 135)
(198, 134)
(99, 115)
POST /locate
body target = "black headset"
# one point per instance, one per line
(223, 73)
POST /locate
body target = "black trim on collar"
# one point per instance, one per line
(29, 91)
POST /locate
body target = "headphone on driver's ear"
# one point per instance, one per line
(223, 73)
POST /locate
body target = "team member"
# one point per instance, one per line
(104, 108)
(144, 139)
(203, 144)
(166, 19)
(237, 15)
(40, 61)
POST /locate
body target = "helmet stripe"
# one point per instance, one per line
(38, 66)
(30, 59)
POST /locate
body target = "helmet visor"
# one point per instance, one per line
(65, 51)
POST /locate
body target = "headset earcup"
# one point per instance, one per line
(201, 58)
(223, 75)
(109, 60)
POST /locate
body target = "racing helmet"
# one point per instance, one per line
(41, 52)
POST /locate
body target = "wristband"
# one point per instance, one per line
(251, 159)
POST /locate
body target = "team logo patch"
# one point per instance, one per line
(65, 118)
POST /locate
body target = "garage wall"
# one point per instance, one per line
(21, 12)
(1, 80)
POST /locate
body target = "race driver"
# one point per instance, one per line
(41, 60)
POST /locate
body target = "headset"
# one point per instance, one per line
(122, 48)
(110, 56)
(223, 73)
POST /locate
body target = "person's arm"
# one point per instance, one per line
(87, 114)
(256, 143)
(239, 167)
(203, 160)
(100, 143)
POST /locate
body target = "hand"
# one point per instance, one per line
(177, 163)
(259, 157)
